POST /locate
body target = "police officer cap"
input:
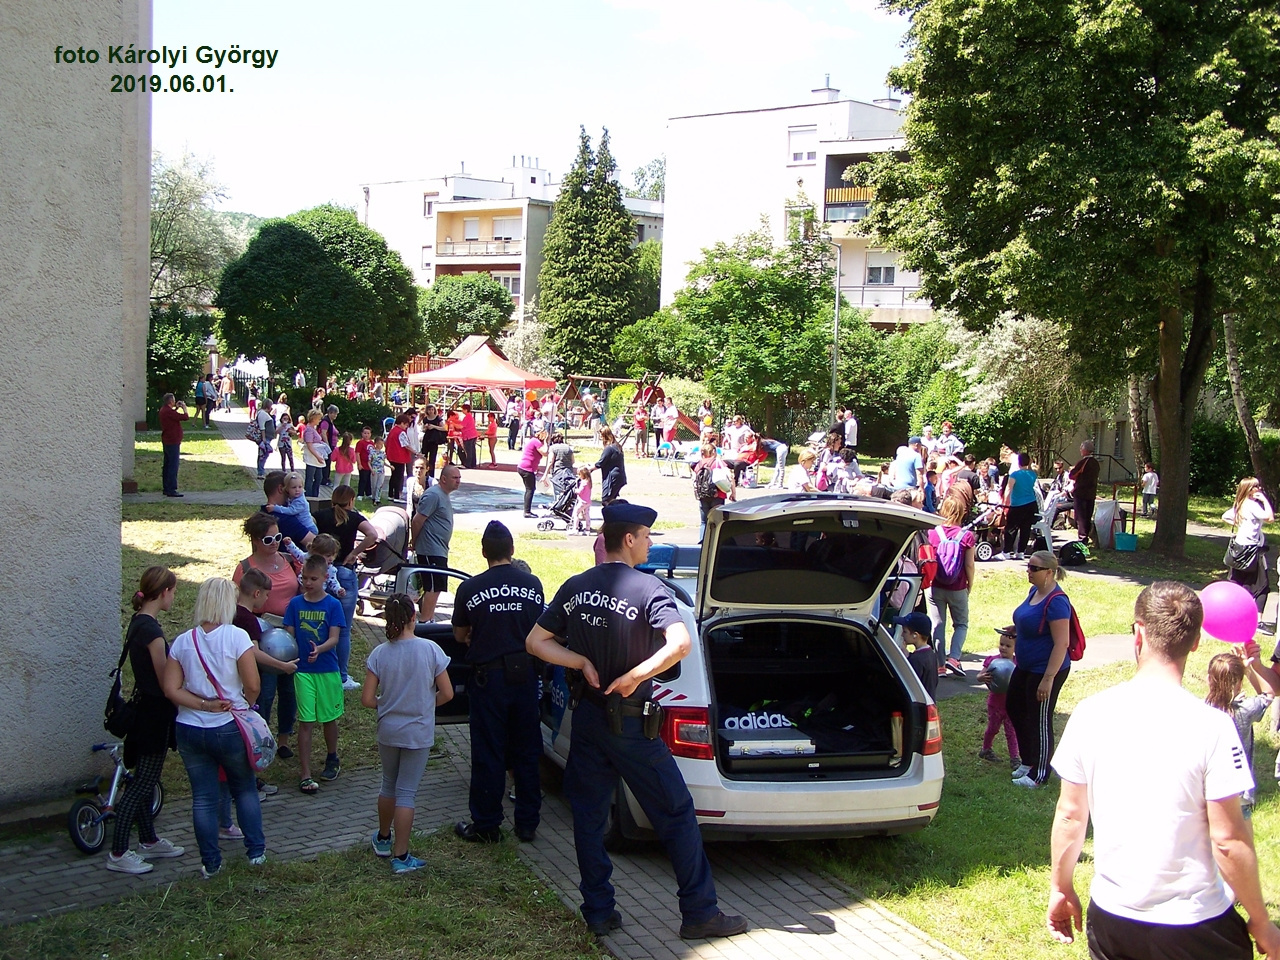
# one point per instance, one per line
(496, 531)
(620, 511)
(917, 622)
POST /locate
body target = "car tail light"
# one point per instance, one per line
(932, 732)
(687, 732)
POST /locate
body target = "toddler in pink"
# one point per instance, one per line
(582, 511)
(997, 714)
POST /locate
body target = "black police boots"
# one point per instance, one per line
(469, 833)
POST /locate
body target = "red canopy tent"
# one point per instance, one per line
(482, 370)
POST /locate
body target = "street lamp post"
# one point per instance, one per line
(835, 333)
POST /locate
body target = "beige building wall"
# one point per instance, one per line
(67, 148)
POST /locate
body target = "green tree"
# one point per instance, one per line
(318, 289)
(648, 279)
(587, 282)
(524, 343)
(454, 308)
(1109, 167)
(650, 180)
(761, 314)
(191, 243)
(176, 353)
(664, 342)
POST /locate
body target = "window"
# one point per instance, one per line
(639, 233)
(800, 219)
(533, 179)
(510, 282)
(846, 211)
(470, 228)
(880, 275)
(506, 228)
(426, 258)
(428, 207)
(802, 144)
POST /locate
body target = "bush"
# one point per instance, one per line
(982, 433)
(620, 397)
(353, 414)
(1219, 457)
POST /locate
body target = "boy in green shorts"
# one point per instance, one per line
(315, 620)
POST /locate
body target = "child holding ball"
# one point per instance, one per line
(997, 712)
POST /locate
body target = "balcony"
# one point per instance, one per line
(847, 204)
(882, 295)
(481, 248)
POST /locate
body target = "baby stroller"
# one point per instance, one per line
(376, 574)
(564, 486)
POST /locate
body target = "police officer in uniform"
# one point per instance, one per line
(622, 628)
(492, 614)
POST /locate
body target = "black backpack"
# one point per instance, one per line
(704, 487)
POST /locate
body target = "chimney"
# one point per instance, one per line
(825, 93)
(890, 100)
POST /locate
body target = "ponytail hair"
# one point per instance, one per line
(154, 581)
(400, 611)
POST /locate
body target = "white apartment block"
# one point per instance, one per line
(727, 170)
(463, 223)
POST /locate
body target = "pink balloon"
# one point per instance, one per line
(1230, 613)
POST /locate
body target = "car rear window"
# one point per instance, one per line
(808, 561)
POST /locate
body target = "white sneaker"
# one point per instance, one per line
(1026, 782)
(350, 684)
(1021, 771)
(999, 556)
(232, 832)
(258, 861)
(160, 850)
(128, 862)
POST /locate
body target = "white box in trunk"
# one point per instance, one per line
(782, 742)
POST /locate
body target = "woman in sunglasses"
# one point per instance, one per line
(265, 536)
(1042, 624)
(268, 558)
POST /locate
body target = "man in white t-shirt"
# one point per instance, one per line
(1160, 772)
(850, 430)
(734, 432)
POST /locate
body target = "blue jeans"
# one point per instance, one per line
(264, 451)
(203, 750)
(282, 684)
(596, 759)
(312, 480)
(169, 467)
(346, 580)
(505, 732)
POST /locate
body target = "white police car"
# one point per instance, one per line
(796, 714)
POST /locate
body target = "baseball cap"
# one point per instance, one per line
(912, 440)
(917, 622)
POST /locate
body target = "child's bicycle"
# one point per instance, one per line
(87, 819)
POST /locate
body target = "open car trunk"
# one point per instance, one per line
(807, 698)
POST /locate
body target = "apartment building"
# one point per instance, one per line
(458, 224)
(727, 170)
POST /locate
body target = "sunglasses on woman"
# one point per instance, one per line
(272, 538)
(1035, 567)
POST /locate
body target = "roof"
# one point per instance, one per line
(482, 370)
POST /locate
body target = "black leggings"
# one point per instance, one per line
(135, 805)
(1017, 527)
(1033, 719)
(530, 483)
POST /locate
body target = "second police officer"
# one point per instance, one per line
(622, 628)
(492, 614)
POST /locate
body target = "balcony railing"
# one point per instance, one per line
(850, 194)
(882, 295)
(481, 248)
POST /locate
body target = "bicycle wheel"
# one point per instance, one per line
(157, 799)
(87, 826)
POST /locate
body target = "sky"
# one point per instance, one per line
(397, 90)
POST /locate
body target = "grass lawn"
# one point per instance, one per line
(470, 902)
(207, 463)
(977, 879)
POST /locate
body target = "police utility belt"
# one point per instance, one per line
(516, 668)
(616, 706)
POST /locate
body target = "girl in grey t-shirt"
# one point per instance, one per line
(405, 680)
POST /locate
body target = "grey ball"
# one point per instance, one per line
(277, 643)
(1001, 671)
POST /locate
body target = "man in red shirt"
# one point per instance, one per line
(172, 413)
